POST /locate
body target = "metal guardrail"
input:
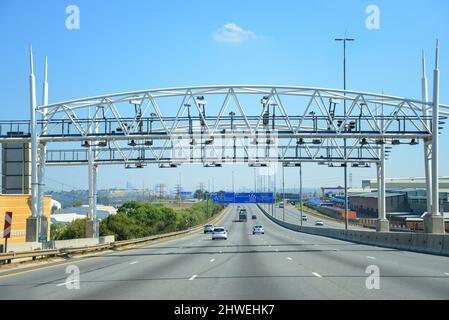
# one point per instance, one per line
(7, 257)
(28, 254)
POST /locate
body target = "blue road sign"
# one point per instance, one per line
(247, 197)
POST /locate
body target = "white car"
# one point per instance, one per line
(304, 218)
(208, 228)
(319, 223)
(258, 229)
(220, 233)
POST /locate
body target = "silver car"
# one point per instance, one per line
(208, 228)
(258, 229)
(319, 223)
(220, 233)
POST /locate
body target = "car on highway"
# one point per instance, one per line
(220, 233)
(253, 217)
(243, 215)
(208, 228)
(304, 218)
(281, 205)
(258, 229)
(319, 223)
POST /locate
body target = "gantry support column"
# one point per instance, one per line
(427, 142)
(434, 221)
(32, 222)
(92, 224)
(383, 225)
(43, 220)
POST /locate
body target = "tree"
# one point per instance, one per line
(74, 230)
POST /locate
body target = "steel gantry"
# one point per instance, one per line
(212, 125)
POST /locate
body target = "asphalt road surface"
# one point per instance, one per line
(281, 264)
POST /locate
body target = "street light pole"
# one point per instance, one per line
(344, 110)
(283, 194)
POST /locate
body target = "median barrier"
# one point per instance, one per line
(434, 243)
(351, 236)
(403, 241)
(361, 237)
(419, 241)
(367, 237)
(445, 247)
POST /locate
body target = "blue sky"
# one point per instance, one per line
(130, 45)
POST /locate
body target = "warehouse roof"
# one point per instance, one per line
(374, 195)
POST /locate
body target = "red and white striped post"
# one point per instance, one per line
(7, 229)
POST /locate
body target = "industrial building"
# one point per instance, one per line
(414, 190)
(403, 183)
(366, 204)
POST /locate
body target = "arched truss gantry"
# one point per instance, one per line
(228, 123)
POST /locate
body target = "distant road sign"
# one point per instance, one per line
(7, 228)
(247, 197)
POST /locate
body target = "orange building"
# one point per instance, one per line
(20, 206)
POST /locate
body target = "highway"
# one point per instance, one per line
(281, 264)
(293, 215)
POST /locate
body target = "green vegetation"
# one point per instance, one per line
(74, 230)
(135, 220)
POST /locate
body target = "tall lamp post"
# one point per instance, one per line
(344, 40)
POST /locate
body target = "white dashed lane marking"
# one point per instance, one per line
(193, 277)
(134, 262)
(317, 275)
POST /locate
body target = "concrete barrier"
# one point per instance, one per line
(445, 247)
(106, 239)
(402, 241)
(25, 246)
(74, 243)
(419, 241)
(411, 241)
(434, 243)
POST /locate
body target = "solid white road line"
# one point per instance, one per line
(193, 277)
(134, 262)
(317, 275)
